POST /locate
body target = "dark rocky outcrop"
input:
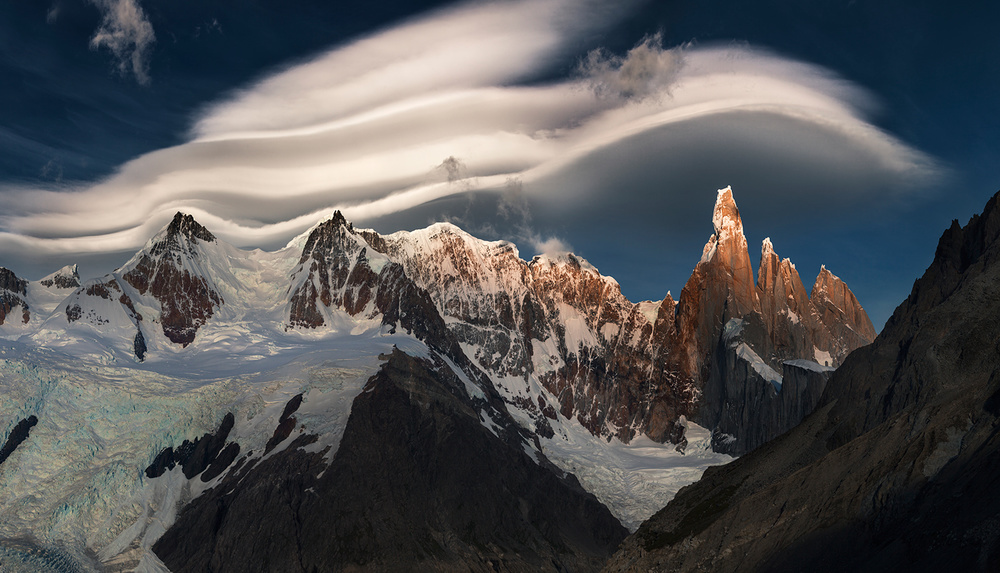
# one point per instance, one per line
(13, 291)
(139, 345)
(418, 483)
(286, 423)
(64, 278)
(897, 469)
(756, 402)
(17, 436)
(197, 456)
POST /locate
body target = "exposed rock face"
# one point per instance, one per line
(17, 435)
(12, 295)
(720, 288)
(202, 454)
(169, 272)
(620, 378)
(402, 493)
(602, 357)
(334, 272)
(896, 468)
(618, 367)
(841, 313)
(65, 278)
(758, 402)
(778, 322)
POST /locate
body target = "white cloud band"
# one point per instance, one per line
(364, 127)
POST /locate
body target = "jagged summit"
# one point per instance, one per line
(838, 307)
(178, 239)
(338, 219)
(766, 247)
(184, 225)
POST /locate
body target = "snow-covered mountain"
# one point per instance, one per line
(193, 375)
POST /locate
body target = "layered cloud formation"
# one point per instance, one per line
(446, 105)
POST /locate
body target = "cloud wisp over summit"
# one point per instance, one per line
(435, 107)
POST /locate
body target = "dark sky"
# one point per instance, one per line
(896, 135)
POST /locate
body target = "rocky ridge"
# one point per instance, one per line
(620, 368)
(896, 468)
(510, 354)
(12, 295)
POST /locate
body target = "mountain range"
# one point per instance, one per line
(366, 400)
(898, 466)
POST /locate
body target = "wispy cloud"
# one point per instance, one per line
(126, 33)
(430, 109)
(646, 70)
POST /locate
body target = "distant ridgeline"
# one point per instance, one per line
(202, 404)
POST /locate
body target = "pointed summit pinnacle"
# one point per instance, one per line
(767, 248)
(728, 230)
(726, 216)
(338, 219)
(185, 225)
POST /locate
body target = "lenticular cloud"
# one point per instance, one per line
(435, 107)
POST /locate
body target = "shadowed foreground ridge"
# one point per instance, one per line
(898, 469)
(417, 484)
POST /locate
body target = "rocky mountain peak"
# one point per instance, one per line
(726, 252)
(171, 272)
(726, 216)
(838, 306)
(333, 235)
(184, 225)
(338, 219)
(11, 282)
(720, 288)
(179, 238)
(766, 248)
(66, 277)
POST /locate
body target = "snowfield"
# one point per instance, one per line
(76, 488)
(633, 480)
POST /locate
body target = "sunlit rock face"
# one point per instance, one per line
(895, 470)
(841, 312)
(777, 322)
(620, 368)
(557, 336)
(430, 342)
